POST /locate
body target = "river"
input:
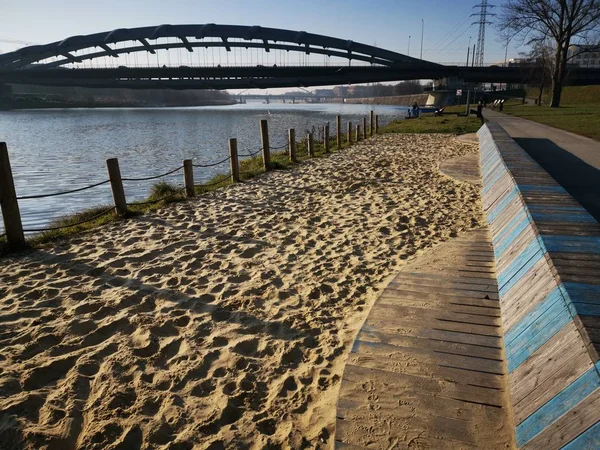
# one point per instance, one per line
(64, 149)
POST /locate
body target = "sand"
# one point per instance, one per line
(223, 322)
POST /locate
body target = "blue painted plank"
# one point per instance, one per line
(572, 244)
(497, 209)
(531, 188)
(537, 333)
(519, 266)
(550, 324)
(505, 244)
(556, 407)
(545, 208)
(498, 235)
(554, 217)
(584, 309)
(582, 292)
(588, 440)
(534, 314)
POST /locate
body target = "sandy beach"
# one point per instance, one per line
(223, 322)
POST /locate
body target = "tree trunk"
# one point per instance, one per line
(560, 74)
(539, 103)
(557, 78)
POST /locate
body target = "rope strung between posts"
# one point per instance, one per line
(213, 164)
(27, 197)
(154, 177)
(37, 230)
(250, 154)
(280, 147)
(151, 202)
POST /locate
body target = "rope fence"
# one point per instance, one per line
(212, 164)
(154, 177)
(56, 194)
(13, 228)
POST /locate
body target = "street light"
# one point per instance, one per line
(408, 54)
(422, 28)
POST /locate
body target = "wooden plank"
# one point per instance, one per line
(555, 365)
(452, 297)
(425, 312)
(569, 426)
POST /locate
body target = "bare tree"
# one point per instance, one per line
(560, 20)
(541, 55)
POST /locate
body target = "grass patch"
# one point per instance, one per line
(580, 119)
(571, 95)
(447, 124)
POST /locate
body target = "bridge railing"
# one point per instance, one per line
(292, 149)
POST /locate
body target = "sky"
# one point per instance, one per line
(384, 23)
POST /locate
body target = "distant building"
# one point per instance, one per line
(340, 91)
(585, 56)
(324, 92)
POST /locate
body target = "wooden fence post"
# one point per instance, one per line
(358, 136)
(266, 148)
(349, 133)
(326, 139)
(377, 124)
(13, 227)
(338, 123)
(372, 124)
(188, 177)
(116, 184)
(311, 145)
(292, 145)
(234, 163)
(364, 128)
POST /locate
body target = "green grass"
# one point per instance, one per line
(579, 111)
(580, 119)
(162, 194)
(571, 95)
(447, 123)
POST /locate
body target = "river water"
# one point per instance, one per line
(64, 149)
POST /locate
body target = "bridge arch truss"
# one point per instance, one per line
(190, 37)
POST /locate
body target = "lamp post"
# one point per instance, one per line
(422, 29)
(408, 54)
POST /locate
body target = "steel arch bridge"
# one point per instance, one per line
(46, 64)
(59, 63)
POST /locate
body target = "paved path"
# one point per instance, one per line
(572, 160)
(427, 368)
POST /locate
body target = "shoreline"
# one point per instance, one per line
(225, 320)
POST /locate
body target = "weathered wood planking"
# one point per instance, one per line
(427, 368)
(547, 250)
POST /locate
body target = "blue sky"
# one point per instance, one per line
(385, 23)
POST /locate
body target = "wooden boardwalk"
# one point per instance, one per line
(427, 369)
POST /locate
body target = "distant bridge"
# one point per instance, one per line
(64, 63)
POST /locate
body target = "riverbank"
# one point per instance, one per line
(225, 320)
